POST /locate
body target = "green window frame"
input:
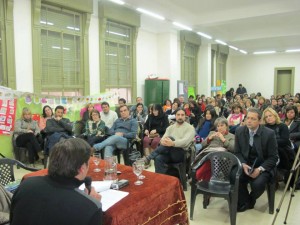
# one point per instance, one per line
(7, 53)
(118, 59)
(61, 52)
(189, 70)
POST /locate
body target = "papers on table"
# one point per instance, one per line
(109, 196)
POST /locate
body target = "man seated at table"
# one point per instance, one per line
(55, 198)
(123, 128)
(57, 128)
(177, 139)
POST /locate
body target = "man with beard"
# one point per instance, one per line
(177, 139)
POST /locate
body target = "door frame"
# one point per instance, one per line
(292, 69)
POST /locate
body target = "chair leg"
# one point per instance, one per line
(193, 199)
(206, 199)
(271, 196)
(232, 203)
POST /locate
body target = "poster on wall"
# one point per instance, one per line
(7, 115)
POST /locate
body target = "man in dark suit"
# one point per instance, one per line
(256, 147)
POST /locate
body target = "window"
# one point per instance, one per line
(190, 65)
(118, 59)
(61, 52)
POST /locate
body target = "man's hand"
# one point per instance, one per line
(146, 132)
(119, 134)
(255, 173)
(93, 193)
(246, 168)
(166, 141)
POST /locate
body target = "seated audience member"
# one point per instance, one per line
(150, 108)
(107, 115)
(201, 105)
(122, 102)
(260, 102)
(229, 94)
(5, 205)
(95, 128)
(186, 108)
(285, 151)
(205, 125)
(154, 128)
(167, 105)
(219, 140)
(47, 114)
(194, 113)
(223, 110)
(139, 114)
(298, 108)
(177, 139)
(248, 104)
(123, 128)
(256, 147)
(57, 128)
(281, 108)
(27, 134)
(235, 118)
(171, 112)
(241, 90)
(139, 100)
(86, 115)
(181, 101)
(293, 123)
(55, 198)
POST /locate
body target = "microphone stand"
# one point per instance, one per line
(295, 167)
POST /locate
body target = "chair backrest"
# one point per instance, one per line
(222, 164)
(7, 170)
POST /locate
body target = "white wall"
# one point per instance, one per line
(94, 62)
(204, 69)
(147, 58)
(256, 72)
(23, 45)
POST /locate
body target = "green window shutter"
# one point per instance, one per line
(190, 64)
(2, 83)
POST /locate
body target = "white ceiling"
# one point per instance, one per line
(251, 25)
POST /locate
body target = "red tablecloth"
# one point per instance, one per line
(160, 200)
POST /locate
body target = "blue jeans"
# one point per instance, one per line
(111, 143)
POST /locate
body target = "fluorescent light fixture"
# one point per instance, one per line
(48, 23)
(235, 48)
(243, 51)
(116, 33)
(73, 28)
(293, 50)
(221, 42)
(204, 35)
(182, 26)
(111, 54)
(150, 14)
(264, 52)
(57, 47)
(118, 2)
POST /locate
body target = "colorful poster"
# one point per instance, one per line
(7, 115)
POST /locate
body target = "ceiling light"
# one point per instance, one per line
(73, 28)
(243, 51)
(221, 42)
(293, 50)
(264, 52)
(204, 35)
(150, 13)
(116, 33)
(235, 48)
(182, 26)
(48, 23)
(118, 2)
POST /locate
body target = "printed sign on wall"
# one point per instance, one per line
(7, 115)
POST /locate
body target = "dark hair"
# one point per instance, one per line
(179, 109)
(165, 102)
(122, 100)
(59, 107)
(94, 111)
(44, 110)
(236, 105)
(124, 106)
(138, 104)
(289, 108)
(255, 110)
(159, 108)
(67, 157)
(214, 116)
(104, 103)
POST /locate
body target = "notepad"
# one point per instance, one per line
(109, 196)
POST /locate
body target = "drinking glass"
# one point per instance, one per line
(142, 162)
(137, 170)
(96, 160)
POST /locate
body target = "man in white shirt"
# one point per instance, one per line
(107, 115)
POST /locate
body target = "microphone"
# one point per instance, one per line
(88, 184)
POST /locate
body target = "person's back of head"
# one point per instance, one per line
(67, 157)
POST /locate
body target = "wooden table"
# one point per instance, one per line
(160, 200)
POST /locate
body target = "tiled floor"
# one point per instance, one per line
(217, 212)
